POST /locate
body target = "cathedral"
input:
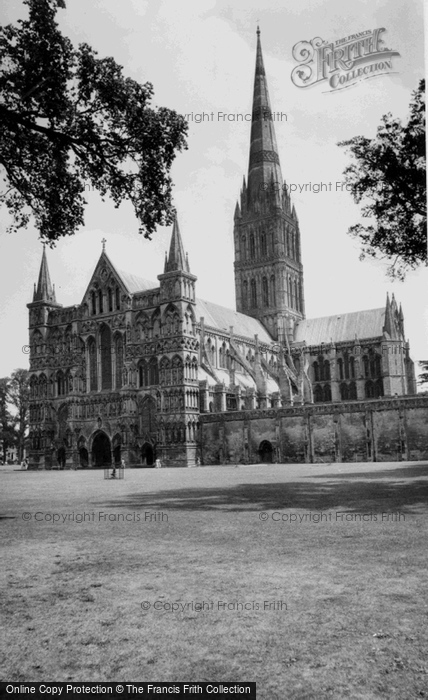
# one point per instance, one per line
(130, 371)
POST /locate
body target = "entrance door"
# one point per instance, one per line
(61, 457)
(117, 455)
(266, 451)
(147, 455)
(84, 457)
(101, 451)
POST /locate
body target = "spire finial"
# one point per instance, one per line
(258, 28)
(44, 290)
(104, 241)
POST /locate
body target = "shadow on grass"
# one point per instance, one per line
(354, 492)
(417, 470)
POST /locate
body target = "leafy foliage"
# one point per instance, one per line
(7, 422)
(423, 377)
(70, 120)
(389, 179)
(19, 396)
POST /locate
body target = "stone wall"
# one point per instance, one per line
(377, 430)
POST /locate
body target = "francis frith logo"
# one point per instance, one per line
(343, 62)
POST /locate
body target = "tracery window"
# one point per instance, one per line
(265, 292)
(92, 350)
(119, 361)
(106, 368)
(272, 290)
(245, 294)
(252, 247)
(253, 294)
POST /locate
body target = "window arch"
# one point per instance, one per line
(372, 364)
(211, 352)
(366, 366)
(106, 369)
(243, 248)
(318, 394)
(93, 304)
(118, 348)
(272, 290)
(316, 369)
(153, 371)
(290, 293)
(223, 357)
(92, 351)
(156, 324)
(245, 294)
(252, 247)
(253, 294)
(327, 392)
(143, 374)
(117, 295)
(265, 292)
(263, 245)
(369, 388)
(100, 301)
(378, 366)
(60, 384)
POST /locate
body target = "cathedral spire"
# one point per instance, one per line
(176, 259)
(264, 166)
(44, 291)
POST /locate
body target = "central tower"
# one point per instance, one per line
(268, 267)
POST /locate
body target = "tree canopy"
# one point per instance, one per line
(388, 177)
(423, 377)
(15, 395)
(69, 121)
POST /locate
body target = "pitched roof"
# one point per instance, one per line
(341, 327)
(222, 318)
(133, 283)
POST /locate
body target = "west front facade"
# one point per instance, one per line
(142, 370)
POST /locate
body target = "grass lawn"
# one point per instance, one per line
(331, 609)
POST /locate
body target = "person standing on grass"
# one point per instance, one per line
(122, 464)
(24, 463)
(158, 464)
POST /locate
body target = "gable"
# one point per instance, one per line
(107, 276)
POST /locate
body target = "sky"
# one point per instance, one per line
(200, 57)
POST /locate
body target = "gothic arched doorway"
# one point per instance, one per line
(83, 457)
(147, 455)
(117, 452)
(266, 451)
(101, 450)
(61, 457)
